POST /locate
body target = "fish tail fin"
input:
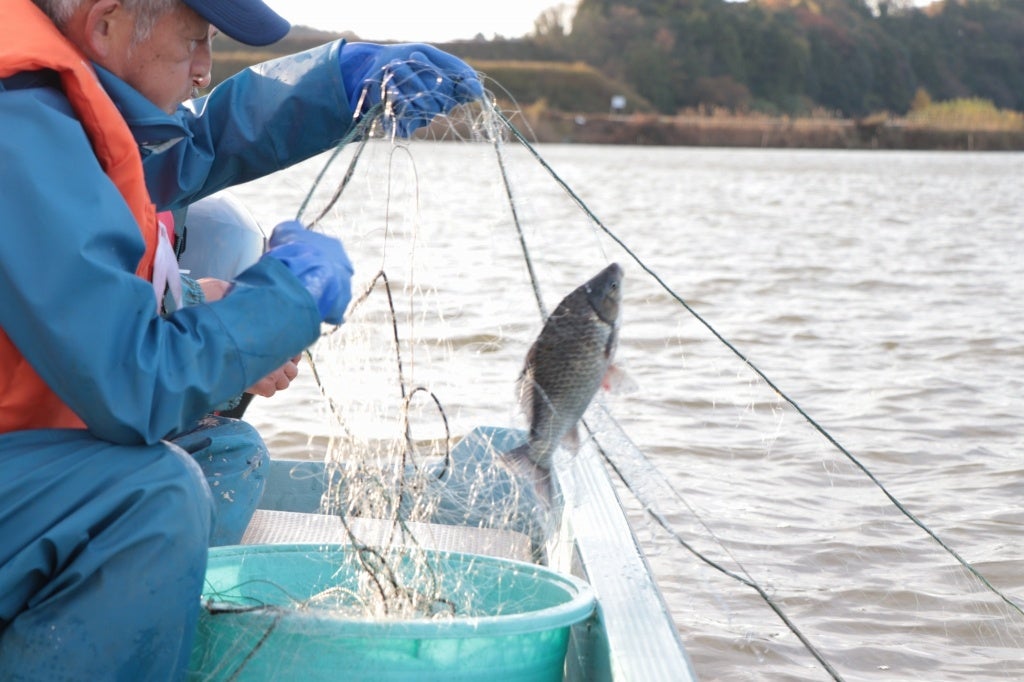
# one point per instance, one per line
(526, 456)
(571, 439)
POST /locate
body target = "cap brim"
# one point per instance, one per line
(248, 21)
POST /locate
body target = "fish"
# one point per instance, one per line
(567, 364)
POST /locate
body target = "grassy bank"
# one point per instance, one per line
(763, 131)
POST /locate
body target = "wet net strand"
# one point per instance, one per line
(389, 586)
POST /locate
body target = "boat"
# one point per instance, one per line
(630, 634)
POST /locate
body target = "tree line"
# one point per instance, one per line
(847, 57)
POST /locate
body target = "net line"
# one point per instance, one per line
(819, 428)
(754, 368)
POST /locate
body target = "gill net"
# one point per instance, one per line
(786, 550)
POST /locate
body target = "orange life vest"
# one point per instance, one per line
(30, 42)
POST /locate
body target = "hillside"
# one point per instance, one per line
(567, 99)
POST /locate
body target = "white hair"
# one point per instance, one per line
(147, 12)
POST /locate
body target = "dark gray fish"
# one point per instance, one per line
(567, 364)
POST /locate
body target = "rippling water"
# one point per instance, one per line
(879, 291)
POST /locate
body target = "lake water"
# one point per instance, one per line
(880, 291)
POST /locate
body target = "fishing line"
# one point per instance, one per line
(444, 418)
(385, 581)
(406, 395)
(519, 230)
(360, 129)
(256, 647)
(370, 559)
(341, 186)
(651, 507)
(778, 391)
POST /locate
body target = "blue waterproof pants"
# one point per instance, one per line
(102, 558)
(103, 547)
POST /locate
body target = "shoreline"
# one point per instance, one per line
(765, 132)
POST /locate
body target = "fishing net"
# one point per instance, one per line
(784, 553)
(420, 518)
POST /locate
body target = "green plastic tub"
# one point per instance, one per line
(498, 619)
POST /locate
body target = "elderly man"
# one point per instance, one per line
(104, 523)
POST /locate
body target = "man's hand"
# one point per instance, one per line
(419, 81)
(279, 379)
(213, 289)
(319, 262)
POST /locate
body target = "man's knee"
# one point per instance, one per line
(233, 458)
(112, 557)
(177, 485)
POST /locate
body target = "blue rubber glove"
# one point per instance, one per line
(320, 263)
(420, 81)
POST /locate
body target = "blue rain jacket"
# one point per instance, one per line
(131, 375)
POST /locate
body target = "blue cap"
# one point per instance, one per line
(247, 21)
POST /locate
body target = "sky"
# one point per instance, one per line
(423, 21)
(426, 21)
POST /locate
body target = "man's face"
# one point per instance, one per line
(174, 58)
